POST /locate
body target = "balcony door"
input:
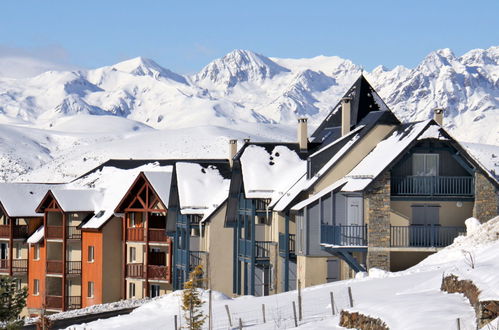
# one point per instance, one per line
(4, 251)
(425, 221)
(425, 164)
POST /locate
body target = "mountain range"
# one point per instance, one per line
(242, 90)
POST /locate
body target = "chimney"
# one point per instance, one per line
(346, 108)
(438, 116)
(232, 150)
(302, 134)
(247, 140)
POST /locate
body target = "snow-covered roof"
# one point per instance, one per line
(315, 197)
(21, 199)
(382, 155)
(77, 200)
(160, 182)
(37, 236)
(114, 183)
(201, 189)
(270, 174)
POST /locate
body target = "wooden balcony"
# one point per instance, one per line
(433, 186)
(135, 234)
(424, 236)
(157, 272)
(72, 232)
(73, 302)
(344, 235)
(53, 302)
(53, 232)
(54, 267)
(4, 265)
(135, 270)
(260, 250)
(19, 266)
(18, 231)
(158, 235)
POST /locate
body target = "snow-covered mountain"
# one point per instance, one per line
(238, 90)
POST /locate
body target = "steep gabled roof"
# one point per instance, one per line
(364, 101)
(21, 199)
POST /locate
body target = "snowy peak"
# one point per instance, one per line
(236, 67)
(141, 66)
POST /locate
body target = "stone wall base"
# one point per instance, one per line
(357, 320)
(378, 259)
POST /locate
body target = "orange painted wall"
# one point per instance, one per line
(91, 271)
(36, 270)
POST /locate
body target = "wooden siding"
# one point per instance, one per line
(92, 271)
(36, 271)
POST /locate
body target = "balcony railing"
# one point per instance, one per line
(73, 302)
(53, 232)
(157, 272)
(424, 236)
(54, 266)
(73, 267)
(72, 232)
(197, 258)
(135, 270)
(53, 302)
(432, 186)
(157, 235)
(18, 231)
(4, 265)
(344, 235)
(4, 231)
(135, 234)
(290, 244)
(261, 249)
(19, 265)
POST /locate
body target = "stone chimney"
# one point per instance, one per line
(438, 116)
(232, 150)
(302, 134)
(346, 109)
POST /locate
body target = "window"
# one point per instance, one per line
(18, 251)
(132, 254)
(131, 290)
(425, 164)
(36, 287)
(18, 284)
(90, 253)
(132, 222)
(90, 293)
(154, 291)
(36, 252)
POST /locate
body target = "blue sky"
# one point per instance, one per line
(184, 36)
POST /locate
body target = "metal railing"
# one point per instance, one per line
(135, 270)
(54, 232)
(261, 249)
(157, 235)
(424, 236)
(73, 302)
(73, 267)
(72, 232)
(54, 266)
(19, 265)
(290, 243)
(135, 234)
(344, 235)
(197, 258)
(433, 185)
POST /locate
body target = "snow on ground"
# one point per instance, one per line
(406, 300)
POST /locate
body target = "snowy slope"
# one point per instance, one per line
(405, 300)
(47, 117)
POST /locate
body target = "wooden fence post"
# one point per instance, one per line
(458, 324)
(228, 314)
(263, 312)
(350, 296)
(294, 313)
(176, 325)
(332, 302)
(210, 314)
(240, 324)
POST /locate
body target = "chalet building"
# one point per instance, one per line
(58, 265)
(195, 219)
(264, 251)
(18, 220)
(382, 194)
(146, 249)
